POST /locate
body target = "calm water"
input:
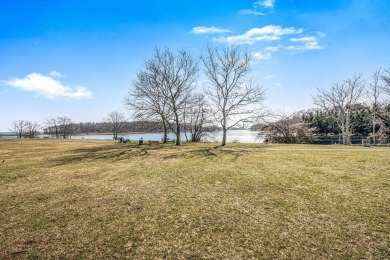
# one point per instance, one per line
(241, 136)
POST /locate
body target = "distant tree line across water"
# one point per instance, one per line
(125, 127)
(64, 127)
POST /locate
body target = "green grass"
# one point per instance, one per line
(99, 199)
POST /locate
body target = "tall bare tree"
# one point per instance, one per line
(18, 127)
(146, 103)
(233, 95)
(341, 99)
(374, 90)
(163, 87)
(115, 120)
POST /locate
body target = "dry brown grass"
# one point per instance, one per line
(99, 199)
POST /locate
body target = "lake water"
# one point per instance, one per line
(240, 136)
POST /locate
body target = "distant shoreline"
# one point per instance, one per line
(126, 133)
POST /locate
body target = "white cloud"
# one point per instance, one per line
(272, 49)
(321, 34)
(304, 39)
(48, 86)
(254, 12)
(261, 56)
(208, 30)
(308, 43)
(260, 8)
(302, 44)
(266, 33)
(56, 74)
(278, 85)
(269, 4)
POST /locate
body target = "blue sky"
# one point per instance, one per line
(78, 58)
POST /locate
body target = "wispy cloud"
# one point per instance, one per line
(56, 74)
(292, 45)
(268, 4)
(272, 49)
(260, 8)
(306, 43)
(266, 33)
(48, 86)
(262, 56)
(304, 39)
(250, 11)
(208, 30)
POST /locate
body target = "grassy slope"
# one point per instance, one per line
(97, 199)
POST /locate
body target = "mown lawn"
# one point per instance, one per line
(99, 199)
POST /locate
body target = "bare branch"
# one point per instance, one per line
(232, 93)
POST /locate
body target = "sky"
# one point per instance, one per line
(79, 58)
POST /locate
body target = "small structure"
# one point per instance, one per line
(366, 143)
(170, 140)
(123, 140)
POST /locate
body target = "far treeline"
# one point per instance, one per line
(178, 92)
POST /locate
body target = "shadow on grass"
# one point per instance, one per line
(112, 153)
(207, 153)
(118, 152)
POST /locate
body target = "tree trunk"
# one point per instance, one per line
(348, 129)
(224, 136)
(115, 131)
(177, 134)
(373, 126)
(165, 138)
(343, 133)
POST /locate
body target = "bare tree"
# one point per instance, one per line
(60, 127)
(374, 90)
(386, 79)
(196, 118)
(115, 119)
(287, 129)
(31, 129)
(52, 127)
(163, 87)
(341, 98)
(233, 95)
(66, 127)
(147, 104)
(18, 127)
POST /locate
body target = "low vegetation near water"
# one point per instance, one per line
(99, 199)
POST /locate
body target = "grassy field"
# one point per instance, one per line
(99, 199)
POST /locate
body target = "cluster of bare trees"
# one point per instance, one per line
(287, 129)
(56, 127)
(115, 121)
(24, 128)
(60, 127)
(342, 99)
(165, 91)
